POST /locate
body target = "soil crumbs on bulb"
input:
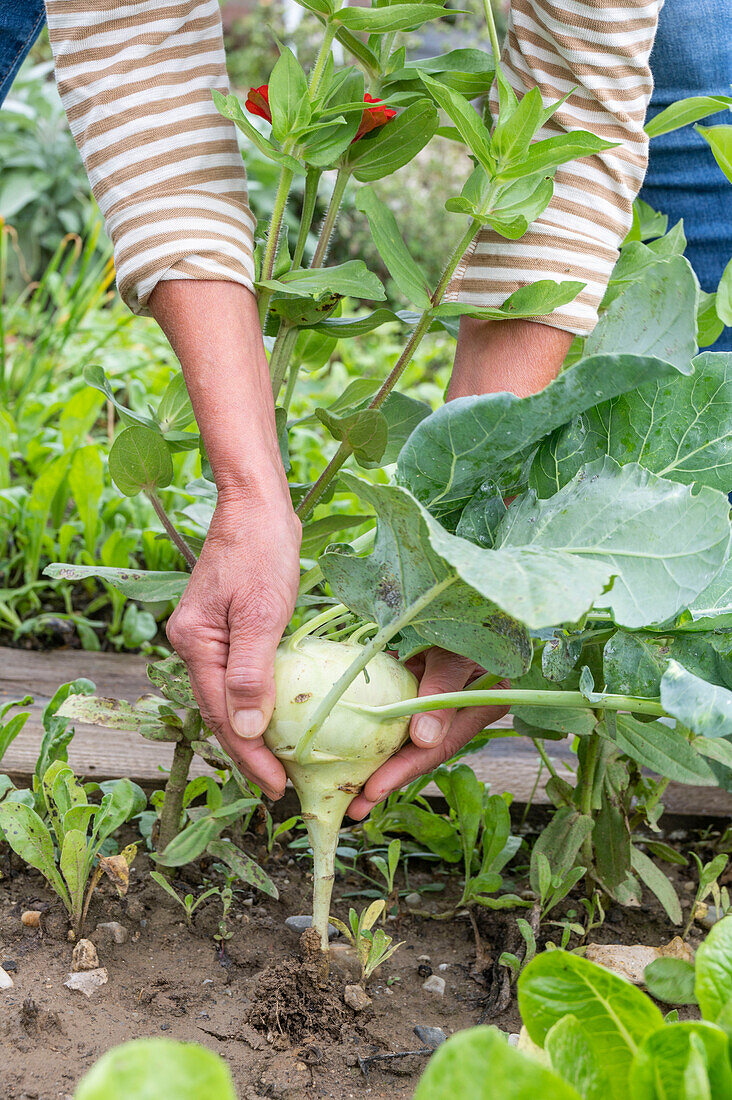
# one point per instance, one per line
(256, 1002)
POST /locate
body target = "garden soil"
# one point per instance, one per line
(255, 1003)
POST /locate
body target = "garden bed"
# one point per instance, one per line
(169, 980)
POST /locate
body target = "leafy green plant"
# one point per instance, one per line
(373, 947)
(708, 876)
(184, 1071)
(592, 1034)
(65, 850)
(189, 902)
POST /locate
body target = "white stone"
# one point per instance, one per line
(114, 930)
(627, 962)
(88, 981)
(356, 997)
(435, 985)
(85, 956)
(6, 982)
(443, 966)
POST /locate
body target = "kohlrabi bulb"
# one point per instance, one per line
(348, 748)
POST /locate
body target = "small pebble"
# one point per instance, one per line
(143, 923)
(165, 1027)
(84, 957)
(10, 964)
(435, 985)
(513, 1039)
(356, 997)
(412, 901)
(6, 982)
(707, 915)
(443, 966)
(135, 910)
(299, 924)
(87, 982)
(430, 1036)
(423, 958)
(31, 918)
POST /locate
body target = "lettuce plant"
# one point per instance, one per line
(594, 1035)
(64, 850)
(157, 1067)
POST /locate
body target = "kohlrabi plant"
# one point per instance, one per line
(588, 1033)
(67, 849)
(602, 591)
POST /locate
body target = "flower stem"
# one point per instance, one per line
(344, 451)
(308, 210)
(273, 236)
(322, 59)
(326, 230)
(490, 20)
(175, 537)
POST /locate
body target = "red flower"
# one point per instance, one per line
(374, 117)
(258, 102)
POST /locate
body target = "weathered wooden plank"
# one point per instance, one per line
(508, 763)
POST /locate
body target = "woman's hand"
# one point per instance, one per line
(434, 736)
(229, 623)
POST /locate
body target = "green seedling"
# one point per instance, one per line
(372, 947)
(189, 903)
(65, 849)
(708, 875)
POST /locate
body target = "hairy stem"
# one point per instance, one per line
(322, 59)
(344, 452)
(175, 537)
(493, 34)
(326, 230)
(273, 236)
(310, 197)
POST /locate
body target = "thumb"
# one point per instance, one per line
(250, 685)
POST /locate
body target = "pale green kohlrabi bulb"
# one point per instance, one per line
(348, 747)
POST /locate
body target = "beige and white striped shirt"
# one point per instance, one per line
(165, 168)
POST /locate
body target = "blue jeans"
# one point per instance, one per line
(692, 55)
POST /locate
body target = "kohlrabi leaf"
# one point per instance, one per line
(653, 317)
(409, 580)
(662, 543)
(661, 1068)
(704, 708)
(478, 1063)
(680, 428)
(473, 439)
(463, 586)
(364, 431)
(139, 584)
(157, 1067)
(616, 1014)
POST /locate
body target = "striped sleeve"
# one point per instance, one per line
(599, 48)
(136, 79)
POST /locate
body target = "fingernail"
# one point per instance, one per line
(249, 723)
(272, 793)
(428, 730)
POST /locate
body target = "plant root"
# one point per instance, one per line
(289, 998)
